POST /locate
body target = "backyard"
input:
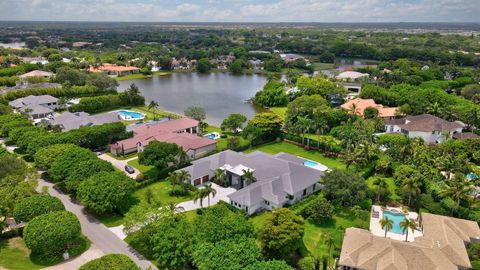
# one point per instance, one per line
(222, 142)
(277, 147)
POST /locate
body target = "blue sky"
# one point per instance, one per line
(243, 10)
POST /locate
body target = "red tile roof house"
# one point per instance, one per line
(182, 132)
(111, 69)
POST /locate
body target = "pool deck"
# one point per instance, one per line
(377, 230)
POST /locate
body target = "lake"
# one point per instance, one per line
(220, 94)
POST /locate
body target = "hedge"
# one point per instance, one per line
(74, 91)
(107, 102)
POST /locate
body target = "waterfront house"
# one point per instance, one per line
(68, 121)
(290, 57)
(182, 132)
(36, 107)
(430, 128)
(280, 179)
(256, 64)
(352, 76)
(115, 70)
(358, 105)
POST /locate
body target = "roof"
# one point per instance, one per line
(441, 247)
(168, 131)
(276, 176)
(360, 105)
(351, 75)
(35, 104)
(428, 123)
(69, 121)
(37, 73)
(111, 67)
(465, 136)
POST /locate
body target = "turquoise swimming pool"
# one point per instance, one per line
(310, 163)
(130, 115)
(396, 218)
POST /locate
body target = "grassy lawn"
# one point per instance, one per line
(149, 113)
(142, 168)
(222, 142)
(277, 147)
(140, 76)
(313, 238)
(280, 111)
(391, 187)
(322, 66)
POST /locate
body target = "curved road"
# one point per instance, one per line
(100, 236)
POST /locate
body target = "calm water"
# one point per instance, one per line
(219, 93)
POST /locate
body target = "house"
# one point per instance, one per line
(280, 179)
(183, 63)
(428, 127)
(79, 44)
(182, 132)
(256, 64)
(442, 247)
(358, 105)
(35, 107)
(115, 70)
(223, 61)
(68, 121)
(34, 60)
(37, 73)
(352, 76)
(465, 136)
(290, 57)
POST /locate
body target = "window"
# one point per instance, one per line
(267, 203)
(314, 186)
(304, 192)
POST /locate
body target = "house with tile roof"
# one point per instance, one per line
(36, 107)
(37, 73)
(280, 179)
(442, 247)
(430, 128)
(358, 105)
(182, 132)
(68, 121)
(115, 70)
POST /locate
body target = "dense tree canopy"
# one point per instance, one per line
(62, 166)
(36, 205)
(233, 122)
(344, 187)
(159, 154)
(109, 262)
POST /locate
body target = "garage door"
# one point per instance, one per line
(197, 181)
(205, 178)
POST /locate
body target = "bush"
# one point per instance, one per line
(140, 177)
(111, 262)
(178, 191)
(63, 166)
(69, 92)
(320, 210)
(269, 265)
(63, 230)
(35, 206)
(108, 102)
(45, 156)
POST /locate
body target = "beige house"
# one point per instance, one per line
(442, 247)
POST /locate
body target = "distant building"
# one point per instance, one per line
(256, 64)
(37, 73)
(290, 57)
(280, 179)
(79, 44)
(183, 64)
(222, 61)
(115, 70)
(358, 105)
(68, 121)
(182, 132)
(430, 128)
(34, 60)
(352, 76)
(36, 107)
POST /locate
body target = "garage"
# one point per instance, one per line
(197, 181)
(205, 179)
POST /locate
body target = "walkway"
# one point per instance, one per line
(92, 253)
(100, 236)
(120, 164)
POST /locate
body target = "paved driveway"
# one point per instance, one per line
(92, 253)
(120, 164)
(100, 236)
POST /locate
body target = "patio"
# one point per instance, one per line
(376, 229)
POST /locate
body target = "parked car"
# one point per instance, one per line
(100, 150)
(129, 169)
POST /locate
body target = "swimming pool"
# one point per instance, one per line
(396, 218)
(213, 135)
(471, 176)
(130, 115)
(310, 163)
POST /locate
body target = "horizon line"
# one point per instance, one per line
(249, 22)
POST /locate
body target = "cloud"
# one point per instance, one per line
(243, 10)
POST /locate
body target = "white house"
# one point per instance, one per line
(428, 127)
(36, 107)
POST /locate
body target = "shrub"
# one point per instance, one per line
(35, 206)
(46, 156)
(110, 262)
(62, 166)
(178, 191)
(320, 210)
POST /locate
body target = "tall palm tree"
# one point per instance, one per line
(412, 187)
(153, 106)
(182, 157)
(209, 190)
(458, 189)
(249, 177)
(200, 195)
(184, 179)
(408, 224)
(220, 177)
(382, 185)
(328, 240)
(173, 209)
(387, 224)
(173, 178)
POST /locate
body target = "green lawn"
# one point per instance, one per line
(222, 142)
(322, 66)
(150, 113)
(140, 76)
(142, 168)
(277, 147)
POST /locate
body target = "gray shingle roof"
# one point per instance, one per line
(69, 121)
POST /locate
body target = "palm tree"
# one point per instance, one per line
(328, 240)
(174, 209)
(408, 224)
(184, 179)
(381, 185)
(173, 178)
(220, 177)
(386, 224)
(209, 190)
(248, 177)
(182, 157)
(459, 189)
(148, 195)
(153, 106)
(412, 187)
(199, 196)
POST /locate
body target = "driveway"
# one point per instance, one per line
(92, 253)
(100, 236)
(120, 164)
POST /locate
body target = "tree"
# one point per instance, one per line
(233, 142)
(386, 224)
(200, 195)
(253, 134)
(236, 67)
(307, 263)
(320, 210)
(36, 205)
(330, 243)
(102, 81)
(45, 156)
(410, 179)
(282, 233)
(268, 123)
(173, 243)
(248, 177)
(209, 191)
(159, 154)
(269, 265)
(203, 65)
(70, 75)
(220, 177)
(61, 167)
(231, 254)
(63, 230)
(370, 113)
(106, 191)
(153, 106)
(408, 224)
(459, 189)
(343, 187)
(111, 261)
(272, 95)
(307, 107)
(84, 170)
(197, 113)
(233, 122)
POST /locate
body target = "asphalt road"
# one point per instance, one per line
(105, 240)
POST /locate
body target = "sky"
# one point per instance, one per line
(243, 10)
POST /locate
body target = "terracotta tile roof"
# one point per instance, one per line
(360, 105)
(111, 67)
